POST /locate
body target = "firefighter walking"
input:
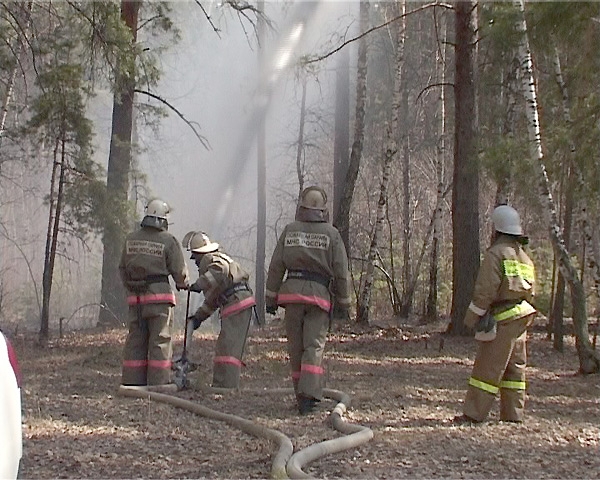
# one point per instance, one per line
(501, 310)
(150, 255)
(224, 284)
(311, 252)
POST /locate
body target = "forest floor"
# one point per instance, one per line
(407, 381)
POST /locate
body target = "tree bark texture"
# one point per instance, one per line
(117, 181)
(465, 193)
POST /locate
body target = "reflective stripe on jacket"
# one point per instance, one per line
(217, 273)
(505, 283)
(152, 254)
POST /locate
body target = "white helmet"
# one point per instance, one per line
(506, 220)
(313, 198)
(198, 242)
(157, 208)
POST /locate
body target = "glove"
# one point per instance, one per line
(181, 286)
(485, 330)
(272, 309)
(485, 324)
(194, 321)
(194, 288)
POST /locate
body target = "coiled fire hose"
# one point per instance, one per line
(285, 463)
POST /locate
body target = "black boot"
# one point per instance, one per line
(306, 405)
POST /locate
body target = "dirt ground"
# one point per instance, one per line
(406, 382)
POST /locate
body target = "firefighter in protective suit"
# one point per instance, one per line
(150, 255)
(500, 311)
(225, 287)
(308, 272)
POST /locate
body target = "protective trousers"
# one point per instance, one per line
(306, 328)
(229, 350)
(148, 349)
(500, 367)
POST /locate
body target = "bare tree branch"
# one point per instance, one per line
(193, 125)
(308, 60)
(214, 27)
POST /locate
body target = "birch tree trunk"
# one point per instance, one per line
(342, 216)
(364, 301)
(589, 361)
(20, 42)
(431, 312)
(556, 316)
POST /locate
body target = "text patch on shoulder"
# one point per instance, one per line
(307, 240)
(145, 247)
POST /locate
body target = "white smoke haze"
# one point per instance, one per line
(212, 79)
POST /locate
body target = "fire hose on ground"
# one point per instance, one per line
(286, 463)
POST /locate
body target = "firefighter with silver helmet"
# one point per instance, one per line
(307, 274)
(500, 311)
(150, 255)
(224, 284)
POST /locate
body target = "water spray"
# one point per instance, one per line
(284, 54)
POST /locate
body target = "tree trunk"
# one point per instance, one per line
(300, 146)
(52, 238)
(341, 141)
(504, 190)
(261, 154)
(589, 362)
(342, 216)
(117, 181)
(21, 41)
(465, 193)
(364, 301)
(559, 296)
(431, 312)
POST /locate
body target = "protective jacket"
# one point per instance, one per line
(224, 284)
(149, 256)
(505, 283)
(505, 288)
(314, 257)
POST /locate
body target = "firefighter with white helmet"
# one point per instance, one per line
(308, 272)
(150, 255)
(501, 310)
(224, 284)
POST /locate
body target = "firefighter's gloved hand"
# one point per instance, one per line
(195, 321)
(272, 309)
(486, 323)
(194, 287)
